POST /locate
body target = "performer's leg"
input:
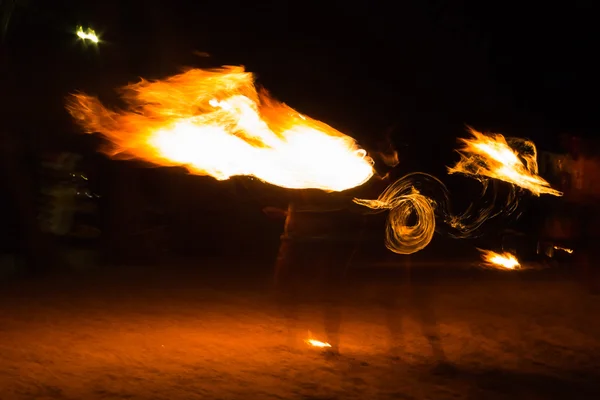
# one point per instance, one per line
(286, 289)
(421, 295)
(393, 299)
(335, 259)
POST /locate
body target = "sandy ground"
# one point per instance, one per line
(184, 336)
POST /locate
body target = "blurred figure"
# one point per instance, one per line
(402, 295)
(398, 300)
(385, 149)
(316, 247)
(35, 247)
(584, 195)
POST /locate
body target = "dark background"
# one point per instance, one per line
(417, 66)
(419, 70)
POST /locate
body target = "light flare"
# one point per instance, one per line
(88, 34)
(216, 123)
(503, 260)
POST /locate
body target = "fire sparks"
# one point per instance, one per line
(88, 34)
(503, 260)
(216, 123)
(492, 157)
(565, 249)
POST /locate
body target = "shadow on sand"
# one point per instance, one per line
(498, 383)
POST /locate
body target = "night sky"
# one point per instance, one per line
(420, 69)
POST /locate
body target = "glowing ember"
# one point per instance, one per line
(316, 343)
(492, 157)
(216, 123)
(499, 260)
(566, 250)
(88, 34)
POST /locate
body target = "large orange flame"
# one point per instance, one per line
(216, 123)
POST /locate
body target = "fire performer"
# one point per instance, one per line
(398, 295)
(320, 233)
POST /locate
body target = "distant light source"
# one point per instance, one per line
(88, 34)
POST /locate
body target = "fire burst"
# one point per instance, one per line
(216, 123)
(491, 156)
(503, 260)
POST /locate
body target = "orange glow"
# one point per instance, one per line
(499, 260)
(216, 123)
(491, 156)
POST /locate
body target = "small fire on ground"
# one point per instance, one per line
(315, 342)
(503, 260)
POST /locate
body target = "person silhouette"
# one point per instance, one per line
(314, 253)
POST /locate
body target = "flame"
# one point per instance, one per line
(491, 156)
(317, 343)
(483, 157)
(503, 260)
(565, 249)
(216, 123)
